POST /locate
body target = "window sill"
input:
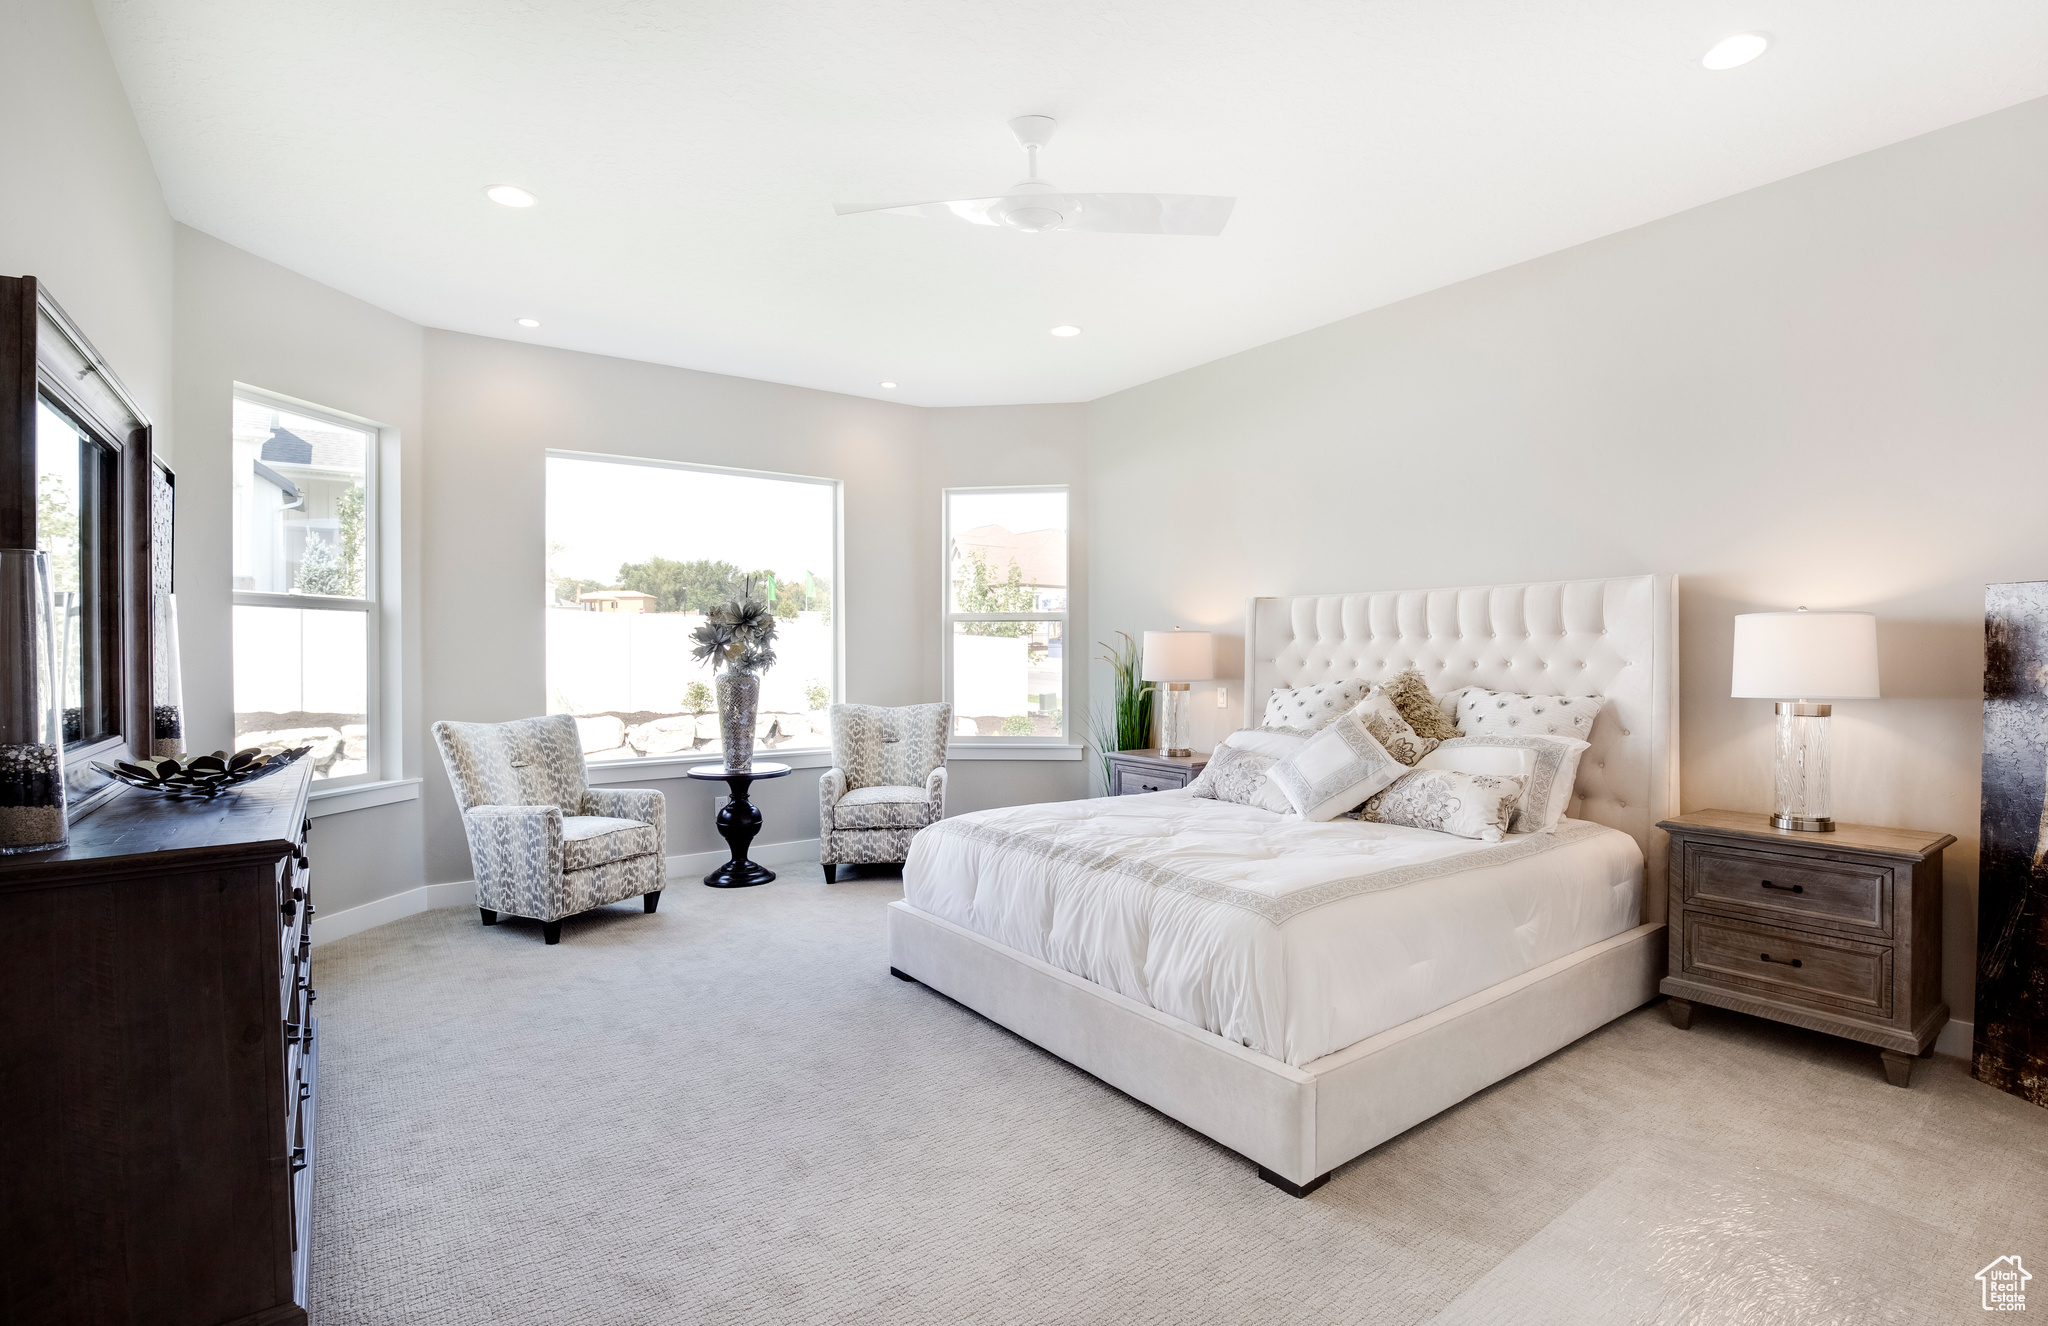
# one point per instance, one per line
(360, 796)
(603, 773)
(1023, 750)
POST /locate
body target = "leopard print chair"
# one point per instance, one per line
(888, 780)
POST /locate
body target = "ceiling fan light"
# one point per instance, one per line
(1731, 52)
(1032, 218)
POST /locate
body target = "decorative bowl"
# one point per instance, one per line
(188, 777)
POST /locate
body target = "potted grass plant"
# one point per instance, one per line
(1127, 724)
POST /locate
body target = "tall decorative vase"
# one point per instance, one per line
(31, 719)
(739, 699)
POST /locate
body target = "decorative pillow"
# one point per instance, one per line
(1554, 768)
(1482, 712)
(1336, 769)
(1384, 721)
(1238, 776)
(1311, 708)
(1275, 743)
(1411, 695)
(1466, 805)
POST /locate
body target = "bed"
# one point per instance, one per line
(1302, 992)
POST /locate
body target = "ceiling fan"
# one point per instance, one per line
(1036, 205)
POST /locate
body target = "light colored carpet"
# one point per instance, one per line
(730, 1112)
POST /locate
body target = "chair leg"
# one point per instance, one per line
(490, 917)
(551, 931)
(831, 872)
(651, 901)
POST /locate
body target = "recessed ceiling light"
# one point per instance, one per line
(1066, 331)
(527, 322)
(1739, 49)
(510, 195)
(888, 386)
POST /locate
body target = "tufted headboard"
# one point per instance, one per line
(1617, 638)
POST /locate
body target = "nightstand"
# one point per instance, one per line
(1135, 771)
(1839, 932)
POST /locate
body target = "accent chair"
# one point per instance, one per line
(544, 842)
(888, 780)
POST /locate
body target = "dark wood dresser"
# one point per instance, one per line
(1133, 772)
(157, 1065)
(1839, 932)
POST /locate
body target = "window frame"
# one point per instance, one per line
(837, 488)
(370, 604)
(948, 617)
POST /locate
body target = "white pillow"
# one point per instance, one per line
(1552, 770)
(1312, 708)
(1268, 742)
(1466, 805)
(1334, 770)
(1238, 776)
(1381, 718)
(1484, 713)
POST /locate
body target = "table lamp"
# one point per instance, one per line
(1172, 660)
(1798, 658)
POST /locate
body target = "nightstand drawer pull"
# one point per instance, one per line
(1788, 962)
(1149, 787)
(1796, 888)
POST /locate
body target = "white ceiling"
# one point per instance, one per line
(687, 157)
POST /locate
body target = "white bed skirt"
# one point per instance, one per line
(1297, 1123)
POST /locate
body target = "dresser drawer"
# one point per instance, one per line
(1781, 888)
(1130, 782)
(1823, 971)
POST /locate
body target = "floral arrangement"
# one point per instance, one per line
(739, 634)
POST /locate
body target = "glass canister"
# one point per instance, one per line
(31, 722)
(167, 714)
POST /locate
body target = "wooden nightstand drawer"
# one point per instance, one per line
(1130, 782)
(1798, 966)
(1786, 888)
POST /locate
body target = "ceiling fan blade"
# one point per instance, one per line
(1150, 213)
(1104, 213)
(972, 210)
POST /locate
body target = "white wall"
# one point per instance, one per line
(1828, 391)
(83, 211)
(241, 319)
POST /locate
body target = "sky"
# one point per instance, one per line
(606, 513)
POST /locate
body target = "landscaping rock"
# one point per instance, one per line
(664, 736)
(601, 733)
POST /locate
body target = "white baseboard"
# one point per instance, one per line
(1956, 1038)
(330, 926)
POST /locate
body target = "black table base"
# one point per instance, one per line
(738, 821)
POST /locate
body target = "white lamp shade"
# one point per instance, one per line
(1178, 656)
(1805, 656)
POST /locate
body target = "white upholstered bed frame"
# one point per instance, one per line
(1615, 638)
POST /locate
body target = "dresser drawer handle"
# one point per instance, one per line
(1783, 962)
(1796, 888)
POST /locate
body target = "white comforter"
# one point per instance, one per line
(1291, 938)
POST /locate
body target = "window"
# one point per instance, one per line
(637, 550)
(77, 501)
(1006, 612)
(305, 584)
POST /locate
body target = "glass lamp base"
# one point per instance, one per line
(1800, 769)
(1173, 718)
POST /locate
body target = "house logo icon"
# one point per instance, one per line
(2005, 1285)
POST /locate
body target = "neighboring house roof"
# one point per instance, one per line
(613, 594)
(1041, 554)
(334, 449)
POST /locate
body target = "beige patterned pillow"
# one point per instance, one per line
(1464, 805)
(1384, 721)
(1238, 776)
(1424, 712)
